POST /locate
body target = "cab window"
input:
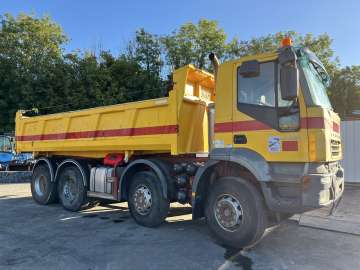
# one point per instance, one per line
(258, 90)
(260, 98)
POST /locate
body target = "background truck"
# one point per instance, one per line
(6, 152)
(9, 159)
(256, 142)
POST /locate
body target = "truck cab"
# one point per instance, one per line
(6, 151)
(9, 159)
(273, 114)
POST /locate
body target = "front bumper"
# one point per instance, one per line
(293, 192)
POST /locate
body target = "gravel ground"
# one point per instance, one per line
(48, 237)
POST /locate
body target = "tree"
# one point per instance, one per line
(146, 50)
(193, 43)
(127, 80)
(34, 72)
(344, 90)
(29, 48)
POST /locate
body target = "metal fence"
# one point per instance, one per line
(350, 135)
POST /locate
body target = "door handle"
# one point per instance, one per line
(240, 139)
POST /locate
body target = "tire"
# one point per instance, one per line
(146, 184)
(71, 189)
(250, 212)
(42, 189)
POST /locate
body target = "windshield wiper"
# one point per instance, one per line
(321, 72)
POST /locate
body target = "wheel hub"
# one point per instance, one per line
(70, 189)
(142, 200)
(40, 185)
(228, 212)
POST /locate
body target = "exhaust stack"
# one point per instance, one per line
(215, 62)
(211, 107)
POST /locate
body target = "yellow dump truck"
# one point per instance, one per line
(252, 144)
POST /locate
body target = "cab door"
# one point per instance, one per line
(262, 120)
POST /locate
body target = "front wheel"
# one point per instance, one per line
(235, 212)
(146, 201)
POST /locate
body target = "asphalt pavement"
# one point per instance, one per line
(106, 237)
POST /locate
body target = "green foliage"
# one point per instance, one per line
(34, 73)
(193, 43)
(344, 91)
(146, 50)
(29, 50)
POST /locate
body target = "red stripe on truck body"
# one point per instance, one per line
(157, 130)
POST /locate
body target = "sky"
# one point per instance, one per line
(111, 23)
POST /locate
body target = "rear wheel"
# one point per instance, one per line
(71, 189)
(42, 189)
(146, 201)
(235, 212)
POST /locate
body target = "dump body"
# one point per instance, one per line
(163, 125)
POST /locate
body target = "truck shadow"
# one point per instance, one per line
(116, 211)
(23, 211)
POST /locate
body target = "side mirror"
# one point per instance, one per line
(289, 81)
(249, 69)
(289, 74)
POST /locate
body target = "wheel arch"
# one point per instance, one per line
(159, 167)
(247, 158)
(79, 164)
(49, 163)
(228, 162)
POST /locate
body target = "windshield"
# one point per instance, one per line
(316, 82)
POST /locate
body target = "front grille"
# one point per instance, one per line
(335, 148)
